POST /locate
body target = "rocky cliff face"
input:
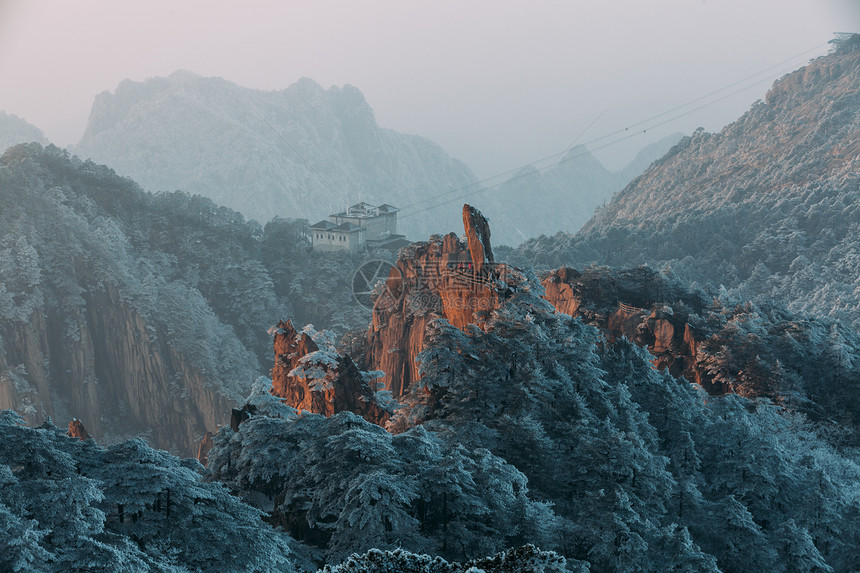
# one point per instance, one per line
(102, 317)
(443, 277)
(666, 334)
(320, 380)
(114, 359)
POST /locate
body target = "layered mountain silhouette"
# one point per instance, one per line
(621, 419)
(561, 197)
(305, 152)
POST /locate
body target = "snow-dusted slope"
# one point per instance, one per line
(769, 206)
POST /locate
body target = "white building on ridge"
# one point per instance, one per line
(362, 226)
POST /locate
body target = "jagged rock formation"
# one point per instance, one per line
(617, 448)
(722, 347)
(768, 207)
(229, 143)
(320, 381)
(77, 430)
(443, 277)
(478, 236)
(634, 312)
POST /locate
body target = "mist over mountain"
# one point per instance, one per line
(482, 417)
(305, 152)
(14, 130)
(561, 197)
(768, 207)
(301, 152)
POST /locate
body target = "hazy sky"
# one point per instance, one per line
(497, 83)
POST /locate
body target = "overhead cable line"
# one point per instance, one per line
(561, 156)
(581, 133)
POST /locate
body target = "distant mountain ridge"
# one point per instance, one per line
(562, 197)
(768, 207)
(15, 130)
(305, 152)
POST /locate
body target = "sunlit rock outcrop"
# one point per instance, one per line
(722, 345)
(77, 430)
(443, 277)
(631, 304)
(317, 379)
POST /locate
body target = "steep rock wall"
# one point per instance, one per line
(443, 277)
(106, 367)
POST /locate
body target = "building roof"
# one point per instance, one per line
(324, 225)
(389, 242)
(396, 244)
(362, 206)
(365, 210)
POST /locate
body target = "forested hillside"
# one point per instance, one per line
(768, 207)
(71, 505)
(528, 425)
(141, 313)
